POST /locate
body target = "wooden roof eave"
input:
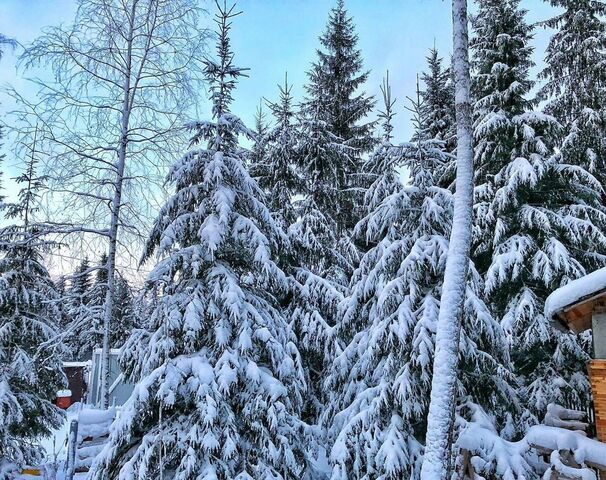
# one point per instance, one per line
(577, 315)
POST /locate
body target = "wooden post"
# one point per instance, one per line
(467, 465)
(72, 445)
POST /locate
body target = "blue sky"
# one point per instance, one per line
(274, 36)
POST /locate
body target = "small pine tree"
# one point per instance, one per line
(85, 304)
(279, 174)
(95, 303)
(124, 319)
(438, 106)
(259, 149)
(83, 332)
(30, 356)
(382, 163)
(221, 386)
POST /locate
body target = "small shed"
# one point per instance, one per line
(581, 306)
(119, 388)
(77, 374)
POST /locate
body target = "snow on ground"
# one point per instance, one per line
(56, 444)
(91, 422)
(575, 291)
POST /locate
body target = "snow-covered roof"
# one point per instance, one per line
(86, 363)
(576, 292)
(112, 351)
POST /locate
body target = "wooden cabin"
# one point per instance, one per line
(577, 307)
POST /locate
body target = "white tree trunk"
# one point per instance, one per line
(437, 461)
(115, 217)
(139, 60)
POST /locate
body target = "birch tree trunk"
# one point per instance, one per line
(108, 308)
(126, 76)
(438, 444)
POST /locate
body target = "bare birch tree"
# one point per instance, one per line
(437, 457)
(125, 76)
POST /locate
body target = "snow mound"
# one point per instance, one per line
(576, 290)
(94, 423)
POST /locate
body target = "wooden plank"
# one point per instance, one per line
(597, 375)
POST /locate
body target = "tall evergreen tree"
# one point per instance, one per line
(61, 288)
(576, 54)
(538, 222)
(382, 380)
(95, 302)
(382, 165)
(30, 356)
(321, 265)
(575, 88)
(85, 303)
(222, 384)
(335, 105)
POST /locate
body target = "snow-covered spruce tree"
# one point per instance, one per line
(125, 316)
(575, 88)
(437, 109)
(84, 332)
(381, 166)
(334, 99)
(438, 112)
(96, 296)
(279, 172)
(98, 288)
(332, 139)
(259, 148)
(222, 383)
(538, 220)
(323, 258)
(30, 357)
(574, 75)
(64, 320)
(382, 380)
(85, 301)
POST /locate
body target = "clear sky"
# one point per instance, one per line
(275, 36)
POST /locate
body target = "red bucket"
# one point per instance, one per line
(64, 399)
